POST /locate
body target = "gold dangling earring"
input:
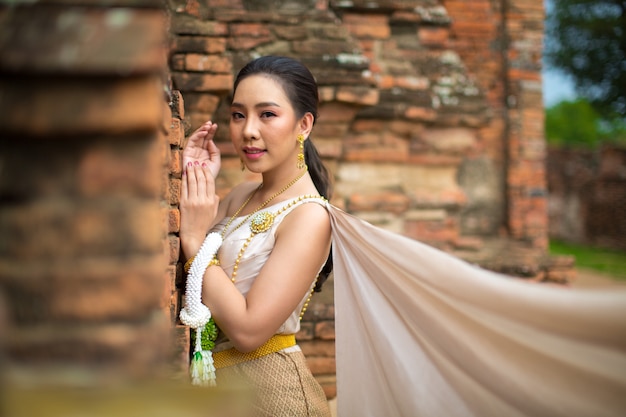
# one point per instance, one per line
(243, 166)
(301, 162)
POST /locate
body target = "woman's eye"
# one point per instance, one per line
(236, 115)
(268, 114)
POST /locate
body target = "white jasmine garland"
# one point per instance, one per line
(195, 314)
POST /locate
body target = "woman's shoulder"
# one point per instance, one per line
(307, 209)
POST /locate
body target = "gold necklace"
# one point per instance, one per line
(265, 203)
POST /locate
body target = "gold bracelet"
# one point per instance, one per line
(188, 264)
(213, 262)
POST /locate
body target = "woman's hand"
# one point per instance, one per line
(200, 148)
(198, 201)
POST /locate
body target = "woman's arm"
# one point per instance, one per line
(199, 205)
(301, 248)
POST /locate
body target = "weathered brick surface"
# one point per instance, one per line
(587, 198)
(82, 268)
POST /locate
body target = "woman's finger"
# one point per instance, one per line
(215, 158)
(196, 139)
(210, 181)
(192, 182)
(201, 180)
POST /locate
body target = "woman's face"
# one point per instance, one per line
(263, 124)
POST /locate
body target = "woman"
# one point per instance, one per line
(274, 271)
(418, 332)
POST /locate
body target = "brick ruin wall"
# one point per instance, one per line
(587, 202)
(431, 122)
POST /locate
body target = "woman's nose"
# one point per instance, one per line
(250, 130)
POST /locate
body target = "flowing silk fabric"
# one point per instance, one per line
(422, 333)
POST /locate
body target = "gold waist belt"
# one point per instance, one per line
(232, 356)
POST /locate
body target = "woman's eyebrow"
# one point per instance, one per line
(262, 104)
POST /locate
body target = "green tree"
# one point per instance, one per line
(572, 123)
(587, 40)
(578, 124)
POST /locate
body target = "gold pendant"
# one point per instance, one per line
(261, 222)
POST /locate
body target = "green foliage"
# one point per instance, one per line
(578, 124)
(572, 123)
(587, 40)
(208, 335)
(606, 261)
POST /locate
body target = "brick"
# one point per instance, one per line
(181, 351)
(375, 147)
(314, 46)
(420, 113)
(433, 36)
(321, 365)
(387, 201)
(83, 290)
(174, 191)
(64, 227)
(201, 102)
(336, 112)
(177, 62)
(305, 333)
(291, 33)
(329, 148)
(173, 249)
(358, 95)
(325, 330)
(34, 41)
(321, 348)
(176, 134)
(412, 82)
(188, 25)
(203, 82)
(319, 311)
(244, 43)
(178, 105)
(374, 27)
(169, 283)
(88, 105)
(248, 30)
(453, 140)
(112, 346)
(199, 44)
(208, 63)
(175, 166)
(173, 220)
(107, 169)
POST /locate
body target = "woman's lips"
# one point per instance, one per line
(253, 153)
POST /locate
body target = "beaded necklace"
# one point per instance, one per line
(245, 203)
(261, 222)
(265, 203)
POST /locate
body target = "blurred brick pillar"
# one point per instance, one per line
(83, 236)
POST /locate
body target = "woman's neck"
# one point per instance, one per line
(275, 182)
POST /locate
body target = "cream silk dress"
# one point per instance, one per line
(422, 333)
(255, 256)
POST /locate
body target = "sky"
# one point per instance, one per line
(556, 85)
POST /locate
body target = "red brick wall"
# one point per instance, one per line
(588, 196)
(81, 214)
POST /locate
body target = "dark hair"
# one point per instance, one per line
(301, 90)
